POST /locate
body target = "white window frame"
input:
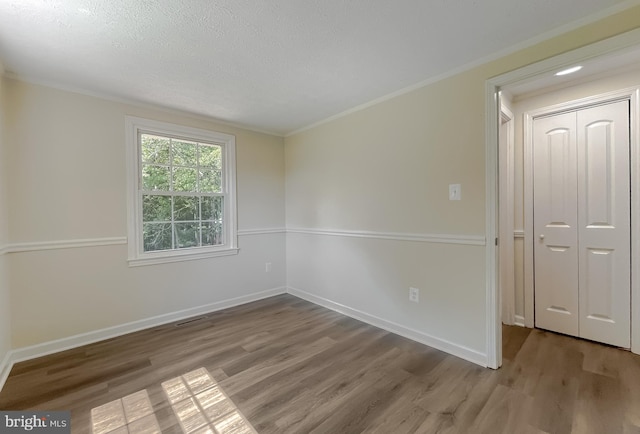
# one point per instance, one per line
(134, 126)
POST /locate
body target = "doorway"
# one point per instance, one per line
(615, 48)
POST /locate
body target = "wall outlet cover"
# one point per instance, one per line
(455, 192)
(414, 295)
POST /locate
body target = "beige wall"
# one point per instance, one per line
(387, 169)
(5, 312)
(612, 82)
(66, 156)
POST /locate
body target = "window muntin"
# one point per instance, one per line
(182, 193)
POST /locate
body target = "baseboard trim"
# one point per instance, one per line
(5, 369)
(34, 351)
(519, 320)
(423, 338)
(46, 348)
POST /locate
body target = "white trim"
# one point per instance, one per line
(471, 240)
(628, 94)
(493, 322)
(519, 320)
(34, 351)
(64, 244)
(518, 233)
(98, 242)
(635, 221)
(506, 197)
(106, 241)
(5, 369)
(248, 232)
(617, 43)
(181, 256)
(483, 60)
(55, 346)
(463, 352)
(593, 100)
(527, 255)
(136, 256)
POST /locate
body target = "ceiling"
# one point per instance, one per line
(274, 66)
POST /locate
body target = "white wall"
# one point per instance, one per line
(66, 156)
(5, 312)
(611, 82)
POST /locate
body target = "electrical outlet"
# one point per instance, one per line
(267, 267)
(414, 295)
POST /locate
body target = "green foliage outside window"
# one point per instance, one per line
(183, 201)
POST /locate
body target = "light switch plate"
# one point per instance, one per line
(455, 192)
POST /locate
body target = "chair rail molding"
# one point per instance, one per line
(472, 240)
(64, 244)
(34, 246)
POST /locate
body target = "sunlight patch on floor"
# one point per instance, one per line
(197, 400)
(202, 407)
(132, 414)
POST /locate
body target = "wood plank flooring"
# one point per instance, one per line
(283, 365)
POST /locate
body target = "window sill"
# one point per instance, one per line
(180, 256)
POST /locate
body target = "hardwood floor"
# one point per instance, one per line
(283, 365)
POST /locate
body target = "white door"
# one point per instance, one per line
(555, 223)
(582, 223)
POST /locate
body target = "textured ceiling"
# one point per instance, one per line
(269, 65)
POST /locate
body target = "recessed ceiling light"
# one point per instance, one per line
(569, 70)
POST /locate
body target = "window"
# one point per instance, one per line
(181, 185)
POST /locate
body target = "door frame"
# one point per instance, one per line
(628, 94)
(506, 200)
(493, 332)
